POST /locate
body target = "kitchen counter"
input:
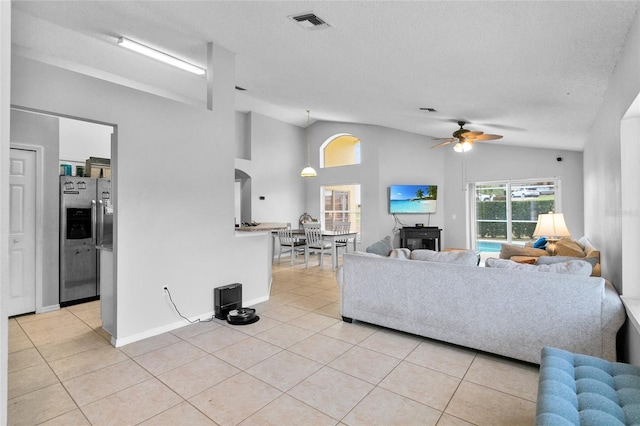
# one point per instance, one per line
(262, 227)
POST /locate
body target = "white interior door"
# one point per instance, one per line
(22, 232)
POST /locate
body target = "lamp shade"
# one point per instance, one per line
(551, 225)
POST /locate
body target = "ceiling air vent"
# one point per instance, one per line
(310, 21)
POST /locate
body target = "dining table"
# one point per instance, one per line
(330, 236)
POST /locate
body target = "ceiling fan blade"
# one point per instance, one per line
(470, 135)
(502, 126)
(447, 142)
(441, 139)
(487, 137)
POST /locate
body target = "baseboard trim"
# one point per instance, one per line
(121, 341)
(117, 342)
(49, 308)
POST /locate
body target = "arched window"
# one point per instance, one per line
(340, 150)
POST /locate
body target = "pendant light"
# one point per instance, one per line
(308, 171)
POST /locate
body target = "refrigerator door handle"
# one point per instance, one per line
(100, 223)
(94, 224)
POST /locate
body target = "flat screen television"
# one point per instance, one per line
(412, 199)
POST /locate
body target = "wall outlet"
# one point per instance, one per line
(164, 290)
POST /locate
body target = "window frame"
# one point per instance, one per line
(329, 141)
(356, 223)
(472, 222)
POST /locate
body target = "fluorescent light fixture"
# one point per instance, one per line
(160, 56)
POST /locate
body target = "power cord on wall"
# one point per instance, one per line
(178, 311)
(398, 225)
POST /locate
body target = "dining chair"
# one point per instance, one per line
(314, 242)
(287, 240)
(342, 227)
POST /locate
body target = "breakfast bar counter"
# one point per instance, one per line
(262, 227)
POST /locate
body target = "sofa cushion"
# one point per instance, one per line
(530, 260)
(508, 250)
(572, 267)
(549, 260)
(568, 247)
(466, 257)
(400, 253)
(382, 247)
(364, 253)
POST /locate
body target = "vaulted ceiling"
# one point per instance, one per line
(533, 71)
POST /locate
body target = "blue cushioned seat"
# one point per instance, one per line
(576, 389)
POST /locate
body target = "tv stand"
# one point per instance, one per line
(427, 237)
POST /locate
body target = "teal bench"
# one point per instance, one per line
(576, 389)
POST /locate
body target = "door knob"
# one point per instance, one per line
(16, 240)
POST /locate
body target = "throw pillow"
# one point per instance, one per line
(572, 267)
(508, 250)
(541, 243)
(524, 259)
(382, 247)
(467, 257)
(548, 260)
(568, 247)
(400, 253)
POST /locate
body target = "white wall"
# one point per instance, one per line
(602, 161)
(630, 208)
(5, 101)
(603, 179)
(490, 162)
(395, 157)
(388, 157)
(277, 153)
(407, 159)
(243, 135)
(174, 225)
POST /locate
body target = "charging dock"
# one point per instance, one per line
(227, 303)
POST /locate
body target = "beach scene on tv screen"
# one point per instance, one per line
(413, 198)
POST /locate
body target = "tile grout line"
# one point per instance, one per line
(316, 275)
(59, 379)
(444, 410)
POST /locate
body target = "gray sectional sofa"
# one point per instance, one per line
(514, 313)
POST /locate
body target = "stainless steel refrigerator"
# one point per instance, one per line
(86, 223)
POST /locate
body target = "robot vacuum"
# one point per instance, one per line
(242, 316)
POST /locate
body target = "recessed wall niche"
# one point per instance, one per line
(242, 192)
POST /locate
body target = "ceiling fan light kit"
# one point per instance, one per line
(464, 139)
(463, 146)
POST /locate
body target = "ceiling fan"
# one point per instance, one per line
(464, 139)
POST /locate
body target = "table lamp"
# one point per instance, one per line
(551, 226)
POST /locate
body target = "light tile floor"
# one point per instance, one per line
(299, 365)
